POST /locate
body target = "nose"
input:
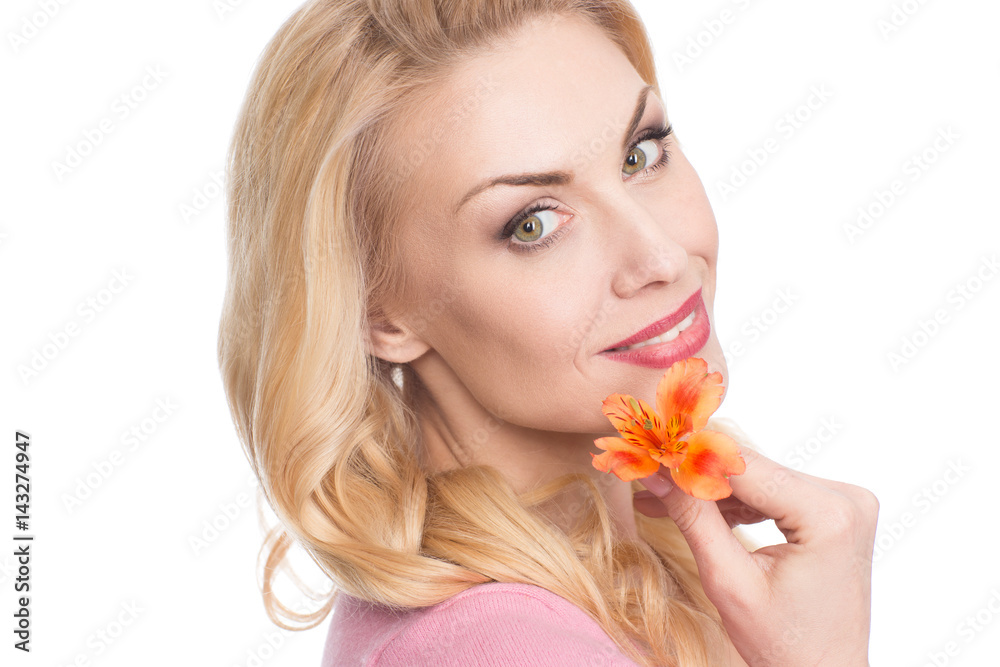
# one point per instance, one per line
(646, 253)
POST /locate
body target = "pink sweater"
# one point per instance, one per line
(494, 625)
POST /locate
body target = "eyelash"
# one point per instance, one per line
(655, 134)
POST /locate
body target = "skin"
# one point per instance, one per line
(626, 250)
(508, 344)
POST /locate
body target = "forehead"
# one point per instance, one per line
(529, 105)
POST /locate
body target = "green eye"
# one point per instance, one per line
(637, 158)
(531, 228)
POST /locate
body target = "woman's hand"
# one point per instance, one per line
(806, 602)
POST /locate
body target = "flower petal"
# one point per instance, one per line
(628, 415)
(688, 389)
(625, 460)
(668, 457)
(711, 458)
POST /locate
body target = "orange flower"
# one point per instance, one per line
(700, 461)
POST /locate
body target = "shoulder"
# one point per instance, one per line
(489, 624)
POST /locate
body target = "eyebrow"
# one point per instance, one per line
(555, 177)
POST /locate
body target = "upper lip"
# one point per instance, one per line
(661, 326)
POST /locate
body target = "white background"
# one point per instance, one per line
(814, 385)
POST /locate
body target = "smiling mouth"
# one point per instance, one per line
(661, 344)
(666, 329)
(665, 337)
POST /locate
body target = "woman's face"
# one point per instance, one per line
(519, 311)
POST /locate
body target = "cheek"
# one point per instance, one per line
(517, 326)
(514, 348)
(478, 310)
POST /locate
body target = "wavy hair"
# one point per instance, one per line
(330, 431)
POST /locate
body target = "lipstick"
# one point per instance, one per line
(678, 336)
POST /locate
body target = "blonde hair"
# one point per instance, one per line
(329, 430)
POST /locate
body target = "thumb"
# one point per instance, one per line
(716, 550)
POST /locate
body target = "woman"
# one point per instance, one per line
(444, 219)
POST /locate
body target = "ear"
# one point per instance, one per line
(395, 344)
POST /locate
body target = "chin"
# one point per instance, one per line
(716, 360)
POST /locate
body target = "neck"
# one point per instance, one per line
(456, 431)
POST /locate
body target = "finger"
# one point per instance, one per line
(742, 516)
(648, 504)
(733, 511)
(776, 492)
(711, 539)
(832, 484)
(804, 511)
(730, 428)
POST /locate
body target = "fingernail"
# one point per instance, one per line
(658, 484)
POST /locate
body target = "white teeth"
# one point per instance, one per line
(665, 337)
